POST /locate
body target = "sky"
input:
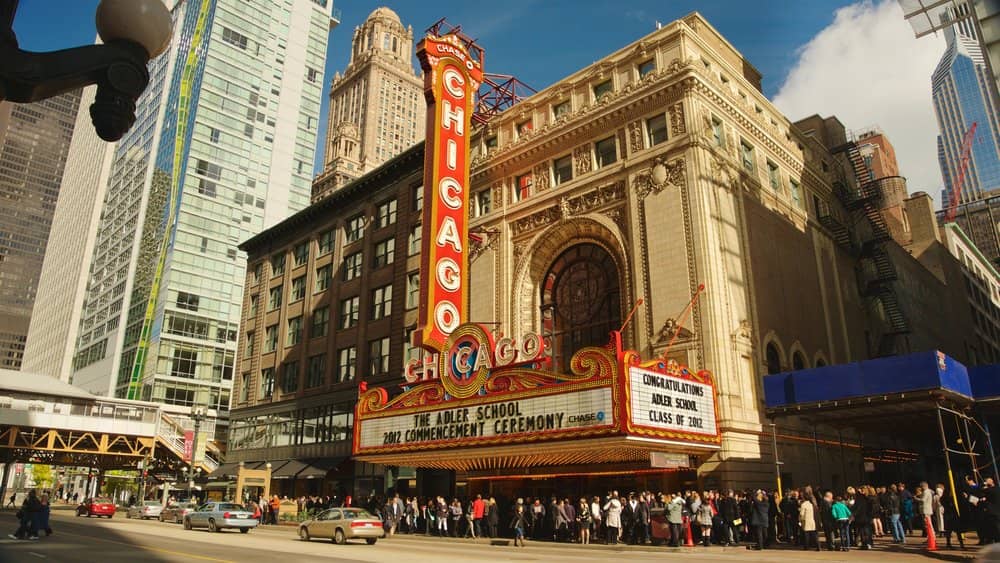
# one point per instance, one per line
(856, 60)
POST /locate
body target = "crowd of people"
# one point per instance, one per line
(805, 518)
(32, 517)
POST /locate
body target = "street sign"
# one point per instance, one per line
(668, 460)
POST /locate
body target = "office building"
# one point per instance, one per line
(222, 148)
(34, 141)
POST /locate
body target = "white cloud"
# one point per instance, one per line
(868, 69)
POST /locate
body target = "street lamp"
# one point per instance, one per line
(133, 32)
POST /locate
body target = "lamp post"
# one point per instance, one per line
(133, 32)
(777, 462)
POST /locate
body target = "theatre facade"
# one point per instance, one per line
(593, 292)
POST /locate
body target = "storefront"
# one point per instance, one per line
(490, 414)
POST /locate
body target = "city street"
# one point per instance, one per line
(120, 539)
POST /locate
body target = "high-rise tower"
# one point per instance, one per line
(376, 110)
(963, 94)
(34, 140)
(222, 147)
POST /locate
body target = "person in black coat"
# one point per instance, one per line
(862, 511)
(730, 512)
(759, 511)
(991, 511)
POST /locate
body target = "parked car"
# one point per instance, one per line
(342, 524)
(146, 509)
(177, 511)
(217, 516)
(96, 507)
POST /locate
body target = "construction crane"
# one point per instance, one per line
(963, 165)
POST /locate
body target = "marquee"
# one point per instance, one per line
(609, 394)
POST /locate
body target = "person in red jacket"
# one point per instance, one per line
(478, 512)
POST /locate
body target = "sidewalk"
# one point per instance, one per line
(915, 546)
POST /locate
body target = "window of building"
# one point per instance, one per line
(347, 364)
(208, 169)
(320, 322)
(718, 135)
(253, 306)
(270, 338)
(349, 309)
(562, 169)
(290, 377)
(317, 371)
(187, 301)
(606, 151)
(796, 190)
(522, 187)
(602, 89)
(491, 144)
(773, 176)
(266, 383)
(214, 134)
(234, 38)
(381, 302)
(773, 359)
(326, 243)
(524, 127)
(294, 335)
(411, 352)
(185, 363)
(207, 188)
(354, 228)
(656, 129)
(384, 253)
(746, 154)
(412, 290)
(481, 203)
(258, 272)
(274, 300)
(298, 291)
(312, 75)
(352, 265)
(378, 356)
(560, 109)
(301, 253)
(386, 214)
(248, 349)
(413, 241)
(323, 274)
(417, 198)
(645, 68)
(798, 361)
(278, 264)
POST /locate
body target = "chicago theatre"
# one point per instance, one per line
(582, 293)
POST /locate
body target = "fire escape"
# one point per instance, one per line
(864, 236)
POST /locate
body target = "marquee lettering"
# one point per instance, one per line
(451, 78)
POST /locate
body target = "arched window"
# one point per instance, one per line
(773, 359)
(581, 301)
(798, 362)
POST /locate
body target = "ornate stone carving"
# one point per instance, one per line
(486, 240)
(677, 125)
(581, 160)
(724, 174)
(497, 198)
(596, 198)
(617, 214)
(744, 331)
(635, 137)
(540, 177)
(644, 184)
(536, 220)
(670, 329)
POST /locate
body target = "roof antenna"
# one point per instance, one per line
(659, 25)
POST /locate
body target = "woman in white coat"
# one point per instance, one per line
(613, 517)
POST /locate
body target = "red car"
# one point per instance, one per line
(96, 507)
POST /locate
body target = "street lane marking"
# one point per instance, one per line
(39, 555)
(156, 549)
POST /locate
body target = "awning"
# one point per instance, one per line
(318, 468)
(287, 470)
(230, 468)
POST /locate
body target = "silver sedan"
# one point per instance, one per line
(145, 510)
(342, 524)
(176, 512)
(217, 516)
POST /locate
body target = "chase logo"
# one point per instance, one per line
(585, 418)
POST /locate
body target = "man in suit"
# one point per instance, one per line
(991, 512)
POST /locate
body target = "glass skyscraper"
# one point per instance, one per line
(963, 95)
(222, 148)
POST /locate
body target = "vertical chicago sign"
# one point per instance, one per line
(451, 80)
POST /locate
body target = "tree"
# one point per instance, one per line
(42, 475)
